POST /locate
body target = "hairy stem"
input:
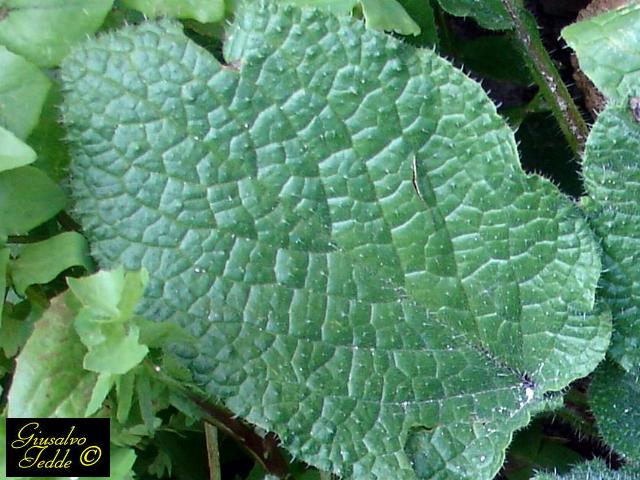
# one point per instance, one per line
(547, 77)
(264, 449)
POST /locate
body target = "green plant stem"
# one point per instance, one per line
(547, 77)
(263, 449)
(213, 455)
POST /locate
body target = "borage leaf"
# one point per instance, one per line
(611, 176)
(607, 48)
(343, 224)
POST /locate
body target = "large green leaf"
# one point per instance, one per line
(49, 379)
(614, 402)
(607, 48)
(342, 222)
(23, 89)
(43, 31)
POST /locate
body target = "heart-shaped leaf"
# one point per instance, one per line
(342, 222)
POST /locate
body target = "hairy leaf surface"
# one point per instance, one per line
(614, 402)
(593, 470)
(342, 222)
(607, 47)
(611, 176)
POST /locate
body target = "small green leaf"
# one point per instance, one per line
(4, 262)
(145, 401)
(124, 390)
(422, 13)
(49, 380)
(607, 49)
(101, 389)
(110, 295)
(14, 152)
(41, 262)
(388, 15)
(106, 322)
(614, 397)
(489, 14)
(118, 352)
(28, 198)
(23, 89)
(43, 31)
(205, 11)
(3, 452)
(14, 333)
(121, 463)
